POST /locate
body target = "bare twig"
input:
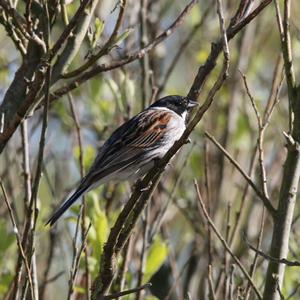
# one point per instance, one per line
(231, 282)
(216, 231)
(265, 200)
(293, 293)
(284, 31)
(124, 293)
(143, 255)
(212, 295)
(19, 241)
(291, 171)
(139, 198)
(76, 257)
(171, 197)
(120, 280)
(105, 49)
(177, 278)
(181, 50)
(119, 63)
(287, 262)
(272, 101)
(83, 210)
(25, 163)
(144, 61)
(55, 277)
(65, 34)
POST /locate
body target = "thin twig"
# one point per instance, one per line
(181, 50)
(144, 61)
(105, 49)
(216, 231)
(83, 210)
(177, 278)
(272, 101)
(143, 255)
(129, 58)
(127, 292)
(284, 31)
(287, 262)
(212, 295)
(19, 241)
(171, 196)
(139, 198)
(120, 280)
(265, 200)
(66, 33)
(76, 258)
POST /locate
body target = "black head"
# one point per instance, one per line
(178, 104)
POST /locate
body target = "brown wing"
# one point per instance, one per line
(152, 126)
(129, 142)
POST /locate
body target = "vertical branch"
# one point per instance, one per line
(21, 249)
(120, 280)
(291, 171)
(226, 258)
(77, 251)
(209, 240)
(222, 240)
(143, 256)
(144, 62)
(261, 126)
(33, 209)
(284, 31)
(25, 163)
(83, 210)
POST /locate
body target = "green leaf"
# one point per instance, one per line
(78, 289)
(94, 34)
(157, 255)
(7, 239)
(123, 36)
(5, 282)
(99, 27)
(99, 230)
(89, 154)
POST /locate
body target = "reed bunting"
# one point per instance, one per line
(133, 147)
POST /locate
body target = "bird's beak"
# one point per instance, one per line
(191, 104)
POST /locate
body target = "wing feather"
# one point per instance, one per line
(129, 143)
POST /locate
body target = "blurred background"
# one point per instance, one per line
(171, 246)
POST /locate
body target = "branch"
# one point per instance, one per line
(68, 30)
(284, 31)
(133, 208)
(83, 208)
(105, 49)
(291, 171)
(216, 49)
(8, 18)
(288, 263)
(264, 199)
(19, 241)
(72, 36)
(181, 50)
(218, 234)
(138, 200)
(125, 60)
(127, 292)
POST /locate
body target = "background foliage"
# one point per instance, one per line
(171, 246)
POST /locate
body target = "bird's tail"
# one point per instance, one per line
(58, 213)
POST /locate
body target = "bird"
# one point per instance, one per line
(132, 149)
